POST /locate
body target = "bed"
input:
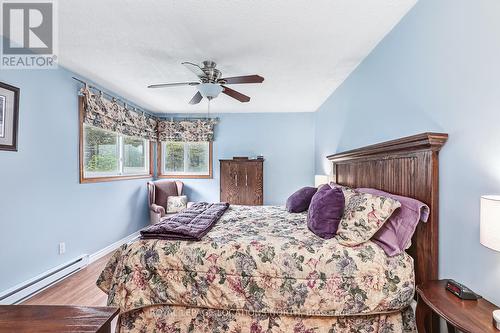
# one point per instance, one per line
(261, 270)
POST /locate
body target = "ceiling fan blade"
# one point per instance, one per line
(243, 79)
(164, 85)
(196, 98)
(195, 69)
(236, 95)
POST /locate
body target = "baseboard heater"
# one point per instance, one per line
(25, 290)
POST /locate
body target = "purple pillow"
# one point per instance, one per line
(299, 201)
(325, 211)
(395, 235)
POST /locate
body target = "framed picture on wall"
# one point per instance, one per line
(9, 116)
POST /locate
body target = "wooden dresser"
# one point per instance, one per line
(242, 181)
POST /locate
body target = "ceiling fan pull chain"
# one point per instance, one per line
(208, 113)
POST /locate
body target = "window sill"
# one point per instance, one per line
(186, 176)
(112, 178)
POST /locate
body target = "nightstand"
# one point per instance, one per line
(468, 316)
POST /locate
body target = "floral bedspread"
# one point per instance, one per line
(263, 260)
(178, 319)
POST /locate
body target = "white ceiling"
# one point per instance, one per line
(304, 49)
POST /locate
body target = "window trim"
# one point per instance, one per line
(83, 179)
(159, 152)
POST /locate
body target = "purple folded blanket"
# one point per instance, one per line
(191, 224)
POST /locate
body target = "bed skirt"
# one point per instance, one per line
(179, 319)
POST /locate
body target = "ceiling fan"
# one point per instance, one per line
(211, 83)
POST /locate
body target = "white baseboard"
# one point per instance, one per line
(29, 288)
(110, 248)
(33, 286)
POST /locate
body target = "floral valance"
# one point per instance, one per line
(110, 115)
(114, 116)
(186, 130)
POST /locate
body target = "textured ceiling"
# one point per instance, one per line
(304, 49)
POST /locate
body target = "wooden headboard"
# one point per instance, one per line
(410, 167)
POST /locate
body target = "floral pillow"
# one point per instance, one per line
(176, 203)
(347, 190)
(364, 215)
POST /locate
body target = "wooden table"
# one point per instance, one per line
(468, 316)
(55, 318)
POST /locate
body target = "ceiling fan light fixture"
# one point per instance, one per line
(209, 90)
(211, 83)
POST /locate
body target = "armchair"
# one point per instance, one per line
(158, 193)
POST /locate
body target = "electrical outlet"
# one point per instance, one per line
(62, 248)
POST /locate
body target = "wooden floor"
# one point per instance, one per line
(77, 289)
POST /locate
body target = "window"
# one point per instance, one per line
(186, 159)
(135, 155)
(108, 156)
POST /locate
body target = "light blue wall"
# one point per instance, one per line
(42, 202)
(284, 139)
(438, 70)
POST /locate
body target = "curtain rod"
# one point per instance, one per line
(172, 118)
(125, 103)
(158, 116)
